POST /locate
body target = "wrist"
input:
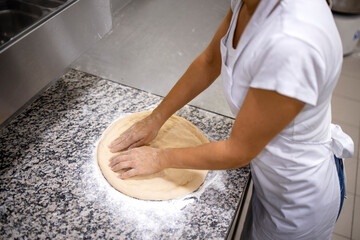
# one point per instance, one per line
(158, 118)
(164, 158)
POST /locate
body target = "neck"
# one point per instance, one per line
(251, 5)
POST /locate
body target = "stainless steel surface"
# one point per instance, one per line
(346, 6)
(153, 42)
(17, 17)
(43, 54)
(117, 5)
(238, 222)
(47, 3)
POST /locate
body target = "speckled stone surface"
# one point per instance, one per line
(51, 187)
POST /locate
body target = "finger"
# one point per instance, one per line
(128, 174)
(121, 138)
(121, 157)
(137, 144)
(125, 143)
(121, 166)
(121, 145)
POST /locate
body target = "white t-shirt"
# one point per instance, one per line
(291, 47)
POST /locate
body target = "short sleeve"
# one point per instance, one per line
(290, 67)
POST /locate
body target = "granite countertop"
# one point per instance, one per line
(51, 186)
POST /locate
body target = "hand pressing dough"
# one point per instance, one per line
(167, 184)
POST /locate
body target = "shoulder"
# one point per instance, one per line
(310, 22)
(301, 29)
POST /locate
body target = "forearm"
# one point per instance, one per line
(196, 79)
(256, 124)
(261, 118)
(212, 156)
(200, 74)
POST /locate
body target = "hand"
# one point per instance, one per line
(140, 133)
(137, 161)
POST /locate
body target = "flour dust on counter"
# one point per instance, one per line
(52, 188)
(143, 219)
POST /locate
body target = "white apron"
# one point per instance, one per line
(296, 187)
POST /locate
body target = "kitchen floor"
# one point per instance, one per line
(147, 52)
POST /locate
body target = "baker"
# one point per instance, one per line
(279, 61)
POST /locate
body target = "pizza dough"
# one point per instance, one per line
(167, 184)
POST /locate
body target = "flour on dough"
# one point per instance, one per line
(167, 184)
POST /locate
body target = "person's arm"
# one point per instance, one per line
(262, 116)
(201, 74)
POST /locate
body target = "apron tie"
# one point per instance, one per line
(342, 145)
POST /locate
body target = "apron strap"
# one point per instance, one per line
(340, 167)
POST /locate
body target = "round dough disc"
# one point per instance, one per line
(167, 184)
